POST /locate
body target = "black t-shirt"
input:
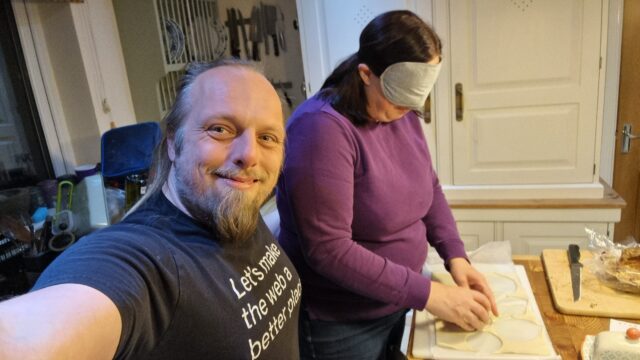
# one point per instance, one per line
(184, 295)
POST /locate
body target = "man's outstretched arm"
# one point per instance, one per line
(67, 321)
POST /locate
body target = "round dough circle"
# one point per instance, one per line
(516, 329)
(484, 342)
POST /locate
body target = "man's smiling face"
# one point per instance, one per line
(232, 143)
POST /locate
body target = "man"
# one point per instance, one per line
(192, 272)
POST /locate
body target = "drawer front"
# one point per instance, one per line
(531, 237)
(475, 234)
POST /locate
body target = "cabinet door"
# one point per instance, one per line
(532, 238)
(527, 74)
(474, 234)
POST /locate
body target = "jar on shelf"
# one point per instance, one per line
(135, 186)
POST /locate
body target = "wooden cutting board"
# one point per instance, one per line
(596, 298)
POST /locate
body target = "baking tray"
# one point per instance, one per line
(424, 339)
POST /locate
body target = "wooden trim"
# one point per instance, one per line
(523, 258)
(611, 87)
(92, 66)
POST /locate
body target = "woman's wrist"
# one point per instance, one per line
(457, 261)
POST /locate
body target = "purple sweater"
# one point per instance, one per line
(357, 207)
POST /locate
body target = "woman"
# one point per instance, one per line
(359, 199)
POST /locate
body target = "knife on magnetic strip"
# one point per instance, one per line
(576, 267)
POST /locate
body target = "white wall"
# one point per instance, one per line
(71, 82)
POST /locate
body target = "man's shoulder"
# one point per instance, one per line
(129, 237)
(122, 229)
(156, 216)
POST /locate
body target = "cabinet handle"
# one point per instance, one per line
(627, 136)
(459, 102)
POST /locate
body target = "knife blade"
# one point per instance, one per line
(576, 267)
(234, 38)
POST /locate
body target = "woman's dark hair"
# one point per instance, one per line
(392, 37)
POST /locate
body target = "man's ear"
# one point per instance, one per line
(365, 73)
(171, 150)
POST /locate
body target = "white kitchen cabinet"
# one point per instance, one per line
(533, 225)
(527, 75)
(475, 234)
(532, 237)
(519, 103)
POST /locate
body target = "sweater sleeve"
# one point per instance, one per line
(319, 175)
(442, 231)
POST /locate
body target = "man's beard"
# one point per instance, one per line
(231, 212)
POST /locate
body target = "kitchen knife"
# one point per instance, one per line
(263, 27)
(234, 40)
(576, 268)
(245, 39)
(254, 33)
(272, 19)
(280, 26)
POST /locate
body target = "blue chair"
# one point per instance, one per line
(129, 149)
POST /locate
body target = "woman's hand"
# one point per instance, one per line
(462, 306)
(468, 277)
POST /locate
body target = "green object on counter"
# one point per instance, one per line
(61, 186)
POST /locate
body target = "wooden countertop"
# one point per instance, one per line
(566, 331)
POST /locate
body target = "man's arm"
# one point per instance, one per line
(67, 321)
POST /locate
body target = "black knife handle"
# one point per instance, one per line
(255, 51)
(574, 253)
(276, 51)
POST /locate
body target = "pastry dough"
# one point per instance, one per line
(516, 331)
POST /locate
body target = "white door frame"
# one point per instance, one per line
(611, 88)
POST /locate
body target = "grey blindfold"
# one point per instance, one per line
(408, 84)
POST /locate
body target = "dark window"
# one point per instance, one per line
(24, 159)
